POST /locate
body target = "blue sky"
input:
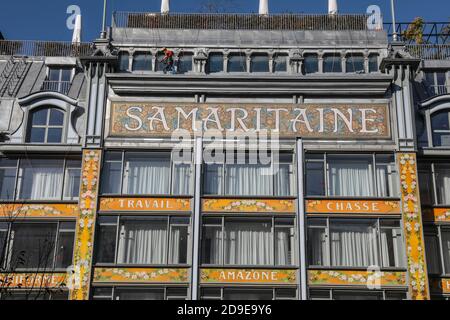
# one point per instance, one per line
(46, 19)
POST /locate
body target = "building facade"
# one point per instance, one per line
(284, 157)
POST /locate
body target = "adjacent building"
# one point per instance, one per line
(123, 178)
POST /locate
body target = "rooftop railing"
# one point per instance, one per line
(432, 32)
(44, 48)
(239, 21)
(429, 51)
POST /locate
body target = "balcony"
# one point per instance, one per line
(44, 48)
(439, 90)
(56, 86)
(240, 21)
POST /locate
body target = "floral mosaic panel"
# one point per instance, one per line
(20, 211)
(32, 280)
(255, 276)
(356, 278)
(144, 205)
(258, 206)
(413, 227)
(437, 215)
(140, 275)
(84, 236)
(353, 206)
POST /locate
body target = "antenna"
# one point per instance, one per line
(394, 25)
(103, 33)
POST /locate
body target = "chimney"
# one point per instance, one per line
(332, 7)
(264, 7)
(165, 6)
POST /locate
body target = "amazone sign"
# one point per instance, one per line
(343, 121)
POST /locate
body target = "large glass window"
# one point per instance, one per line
(332, 63)
(58, 79)
(230, 293)
(39, 179)
(143, 240)
(45, 125)
(214, 63)
(145, 173)
(140, 293)
(142, 62)
(237, 62)
(38, 245)
(246, 241)
(355, 63)
(373, 62)
(435, 183)
(124, 58)
(355, 243)
(259, 62)
(351, 175)
(339, 294)
(34, 295)
(280, 62)
(437, 239)
(440, 123)
(248, 176)
(185, 62)
(311, 63)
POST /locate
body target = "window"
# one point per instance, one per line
(143, 240)
(142, 62)
(124, 64)
(425, 184)
(311, 63)
(355, 63)
(160, 65)
(351, 176)
(184, 62)
(246, 241)
(437, 239)
(237, 62)
(58, 79)
(437, 82)
(32, 295)
(39, 179)
(38, 245)
(442, 177)
(373, 62)
(145, 173)
(332, 63)
(140, 293)
(339, 294)
(45, 125)
(231, 293)
(248, 176)
(441, 129)
(434, 179)
(259, 62)
(355, 243)
(214, 63)
(280, 62)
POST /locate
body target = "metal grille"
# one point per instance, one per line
(44, 48)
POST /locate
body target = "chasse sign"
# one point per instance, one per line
(343, 121)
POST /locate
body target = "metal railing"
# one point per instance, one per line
(56, 86)
(432, 32)
(44, 48)
(239, 21)
(440, 89)
(429, 51)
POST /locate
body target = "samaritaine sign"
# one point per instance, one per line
(340, 121)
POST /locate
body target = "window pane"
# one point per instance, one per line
(285, 294)
(395, 295)
(142, 62)
(112, 173)
(42, 179)
(102, 293)
(124, 61)
(249, 179)
(212, 245)
(54, 135)
(311, 63)
(213, 179)
(280, 63)
(106, 248)
(355, 63)
(72, 180)
(353, 243)
(247, 294)
(182, 179)
(66, 74)
(445, 233)
(3, 241)
(39, 117)
(259, 63)
(441, 129)
(283, 176)
(319, 295)
(317, 243)
(64, 252)
(442, 173)
(355, 295)
(392, 249)
(387, 178)
(56, 117)
(33, 246)
(284, 244)
(214, 63)
(37, 135)
(185, 62)
(143, 241)
(7, 178)
(178, 244)
(425, 184)
(432, 253)
(332, 63)
(139, 294)
(373, 63)
(160, 65)
(177, 293)
(237, 63)
(211, 294)
(248, 242)
(315, 179)
(148, 173)
(351, 176)
(54, 74)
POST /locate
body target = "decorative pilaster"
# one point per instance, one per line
(84, 237)
(413, 227)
